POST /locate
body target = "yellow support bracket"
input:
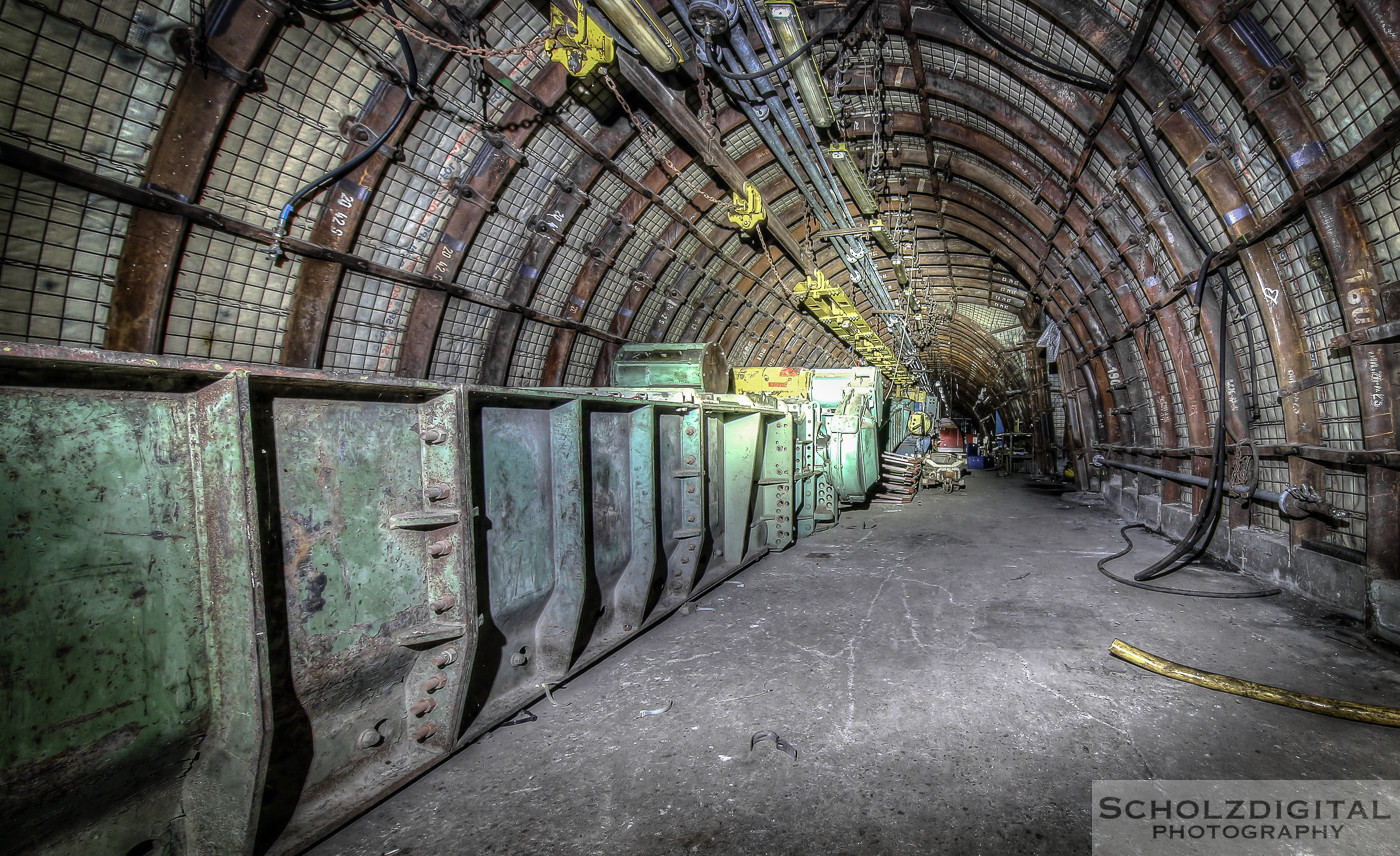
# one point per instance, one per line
(835, 311)
(584, 47)
(748, 209)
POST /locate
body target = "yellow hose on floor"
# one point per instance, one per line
(1371, 713)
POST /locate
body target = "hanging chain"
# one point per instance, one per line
(532, 48)
(651, 137)
(708, 120)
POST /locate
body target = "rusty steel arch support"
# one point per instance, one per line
(1382, 19)
(343, 211)
(549, 226)
(1299, 144)
(1072, 104)
(479, 187)
(1280, 316)
(1105, 262)
(586, 283)
(633, 207)
(183, 149)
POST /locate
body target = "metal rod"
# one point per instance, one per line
(1185, 478)
(48, 168)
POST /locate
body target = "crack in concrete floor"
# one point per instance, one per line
(941, 700)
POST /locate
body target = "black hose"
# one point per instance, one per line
(1040, 64)
(1207, 521)
(331, 177)
(1156, 170)
(342, 11)
(1167, 589)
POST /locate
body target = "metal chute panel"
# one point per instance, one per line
(136, 692)
(814, 498)
(372, 630)
(897, 426)
(530, 518)
(700, 366)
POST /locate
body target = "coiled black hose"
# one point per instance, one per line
(1167, 589)
(1207, 520)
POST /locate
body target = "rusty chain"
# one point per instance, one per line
(533, 47)
(649, 136)
(708, 119)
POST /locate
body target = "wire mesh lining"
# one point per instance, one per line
(1126, 12)
(1198, 206)
(688, 300)
(1258, 167)
(582, 360)
(1157, 341)
(742, 140)
(87, 82)
(607, 297)
(1139, 392)
(363, 335)
(1200, 357)
(514, 22)
(947, 61)
(229, 302)
(1377, 193)
(1273, 476)
(531, 346)
(657, 300)
(956, 114)
(1007, 177)
(557, 280)
(317, 79)
(494, 255)
(58, 257)
(457, 354)
(1044, 38)
(1269, 427)
(1346, 489)
(1309, 281)
(1345, 83)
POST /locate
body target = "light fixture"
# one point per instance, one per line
(899, 272)
(787, 26)
(850, 176)
(648, 35)
(882, 236)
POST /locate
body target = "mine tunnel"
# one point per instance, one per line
(722, 426)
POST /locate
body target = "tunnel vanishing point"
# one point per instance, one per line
(368, 368)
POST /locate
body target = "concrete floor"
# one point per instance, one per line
(942, 670)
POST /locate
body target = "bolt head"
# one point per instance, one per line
(368, 739)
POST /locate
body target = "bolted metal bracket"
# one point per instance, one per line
(582, 45)
(748, 209)
(199, 53)
(1299, 385)
(1375, 334)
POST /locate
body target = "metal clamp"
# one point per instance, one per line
(199, 52)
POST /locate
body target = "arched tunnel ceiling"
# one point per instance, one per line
(521, 222)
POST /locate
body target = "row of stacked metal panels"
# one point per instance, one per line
(247, 602)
